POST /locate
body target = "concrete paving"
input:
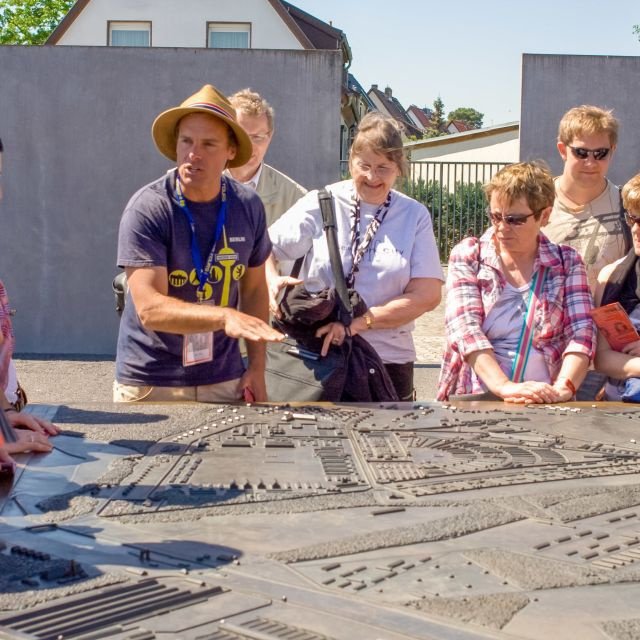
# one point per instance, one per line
(429, 340)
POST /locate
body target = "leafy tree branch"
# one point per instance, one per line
(30, 21)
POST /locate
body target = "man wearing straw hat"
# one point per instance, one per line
(193, 244)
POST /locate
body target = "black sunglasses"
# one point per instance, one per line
(582, 154)
(631, 220)
(512, 219)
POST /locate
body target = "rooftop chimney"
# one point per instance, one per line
(374, 86)
(388, 93)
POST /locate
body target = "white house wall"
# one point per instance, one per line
(503, 147)
(181, 23)
(483, 155)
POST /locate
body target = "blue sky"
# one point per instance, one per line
(470, 53)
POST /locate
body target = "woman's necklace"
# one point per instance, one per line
(358, 249)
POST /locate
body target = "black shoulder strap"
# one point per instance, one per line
(626, 230)
(345, 311)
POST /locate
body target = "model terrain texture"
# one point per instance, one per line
(318, 522)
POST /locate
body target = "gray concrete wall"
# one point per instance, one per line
(552, 84)
(75, 122)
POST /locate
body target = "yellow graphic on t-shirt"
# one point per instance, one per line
(207, 290)
(227, 270)
(216, 274)
(178, 278)
(226, 258)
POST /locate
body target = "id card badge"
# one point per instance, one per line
(197, 348)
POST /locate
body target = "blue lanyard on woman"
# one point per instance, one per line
(203, 271)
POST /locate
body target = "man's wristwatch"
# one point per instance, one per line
(368, 318)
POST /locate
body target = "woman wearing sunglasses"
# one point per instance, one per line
(620, 282)
(517, 317)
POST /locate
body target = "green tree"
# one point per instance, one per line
(636, 30)
(467, 115)
(437, 119)
(456, 212)
(30, 21)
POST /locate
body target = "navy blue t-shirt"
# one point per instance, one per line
(154, 232)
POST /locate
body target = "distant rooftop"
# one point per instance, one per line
(464, 135)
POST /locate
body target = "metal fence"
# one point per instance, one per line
(452, 191)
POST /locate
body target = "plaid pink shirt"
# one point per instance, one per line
(562, 323)
(6, 336)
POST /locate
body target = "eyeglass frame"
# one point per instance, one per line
(511, 219)
(259, 138)
(631, 220)
(602, 153)
(382, 172)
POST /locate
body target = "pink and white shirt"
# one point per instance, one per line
(475, 281)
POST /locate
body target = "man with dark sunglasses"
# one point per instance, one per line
(588, 214)
(587, 210)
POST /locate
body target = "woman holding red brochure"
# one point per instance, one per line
(620, 282)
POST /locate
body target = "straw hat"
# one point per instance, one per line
(210, 101)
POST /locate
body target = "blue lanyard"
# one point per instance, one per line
(203, 271)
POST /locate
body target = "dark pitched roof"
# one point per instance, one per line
(459, 125)
(320, 34)
(390, 105)
(420, 115)
(396, 111)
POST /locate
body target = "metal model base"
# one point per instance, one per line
(210, 522)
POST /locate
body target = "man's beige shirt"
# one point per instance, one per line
(594, 231)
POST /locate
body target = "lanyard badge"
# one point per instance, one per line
(198, 347)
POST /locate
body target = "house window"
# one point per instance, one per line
(129, 34)
(228, 35)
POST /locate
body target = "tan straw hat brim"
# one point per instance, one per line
(209, 101)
